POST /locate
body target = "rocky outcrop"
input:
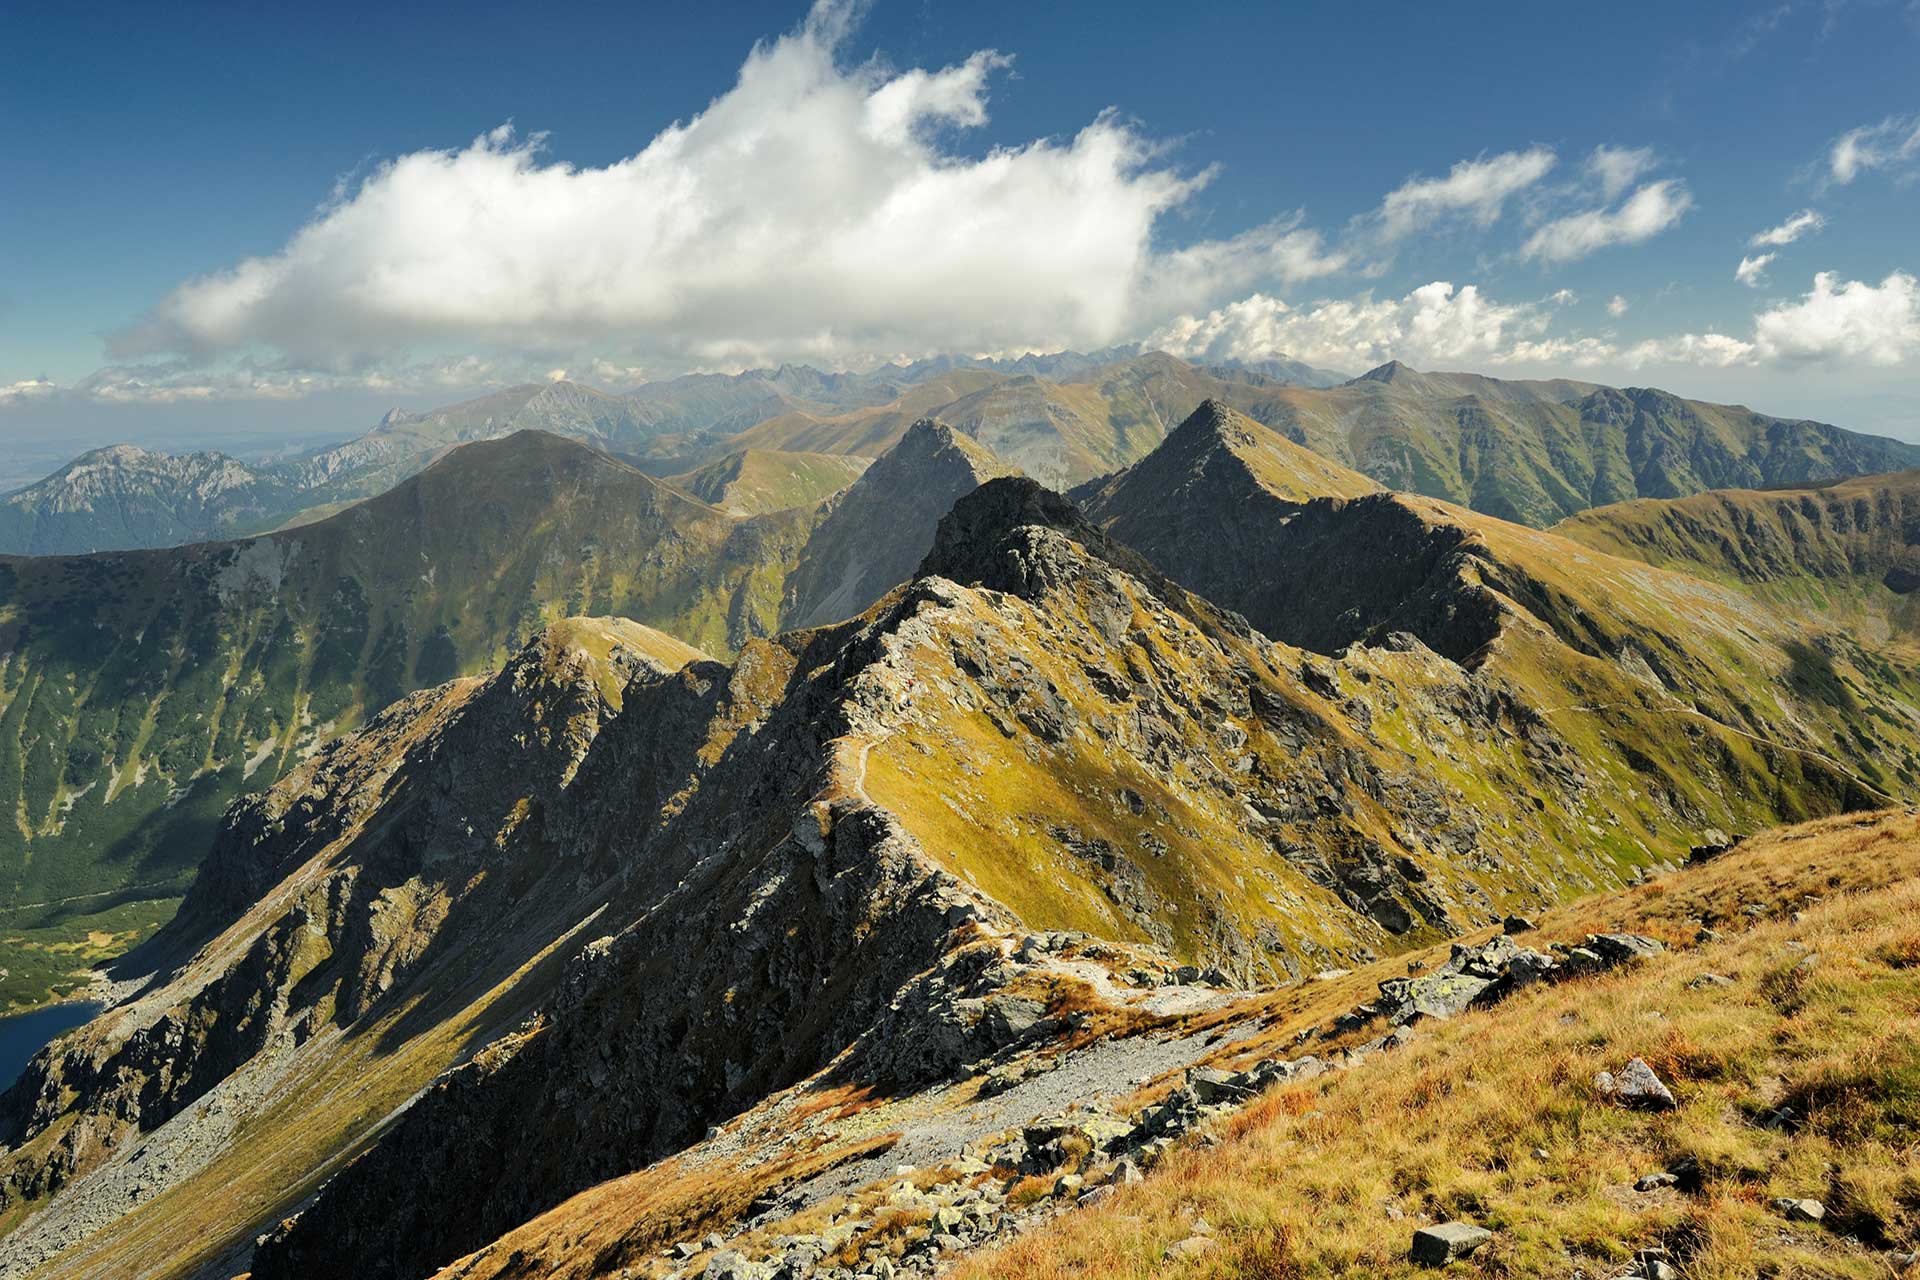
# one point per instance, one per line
(299, 938)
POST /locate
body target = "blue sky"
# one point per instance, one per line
(1576, 192)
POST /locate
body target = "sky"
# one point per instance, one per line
(258, 225)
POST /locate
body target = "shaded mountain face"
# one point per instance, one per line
(827, 860)
(128, 497)
(880, 528)
(144, 690)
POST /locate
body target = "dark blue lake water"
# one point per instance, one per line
(22, 1035)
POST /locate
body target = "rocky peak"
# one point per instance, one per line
(1391, 371)
(931, 442)
(1211, 423)
(972, 537)
(882, 524)
(990, 537)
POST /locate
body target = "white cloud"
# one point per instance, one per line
(1436, 323)
(1837, 322)
(811, 211)
(1580, 353)
(182, 382)
(1849, 321)
(13, 393)
(1618, 168)
(1616, 306)
(1199, 274)
(1893, 144)
(1712, 350)
(1645, 214)
(1752, 272)
(1802, 223)
(1841, 323)
(1477, 189)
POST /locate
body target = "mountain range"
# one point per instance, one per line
(836, 821)
(144, 690)
(1531, 452)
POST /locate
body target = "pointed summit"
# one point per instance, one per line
(931, 441)
(1392, 371)
(884, 522)
(1219, 455)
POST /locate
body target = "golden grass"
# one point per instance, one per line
(1493, 1116)
(621, 1224)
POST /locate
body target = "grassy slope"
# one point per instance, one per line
(1846, 547)
(1538, 452)
(755, 481)
(1494, 1117)
(866, 432)
(1638, 668)
(141, 691)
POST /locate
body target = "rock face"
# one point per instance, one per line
(417, 795)
(1637, 1088)
(1313, 554)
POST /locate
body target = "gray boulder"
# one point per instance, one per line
(1438, 1245)
(1636, 1087)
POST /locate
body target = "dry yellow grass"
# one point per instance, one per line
(1494, 1117)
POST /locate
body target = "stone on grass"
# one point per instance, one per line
(1438, 1245)
(1800, 1210)
(1636, 1087)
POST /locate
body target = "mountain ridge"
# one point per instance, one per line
(849, 844)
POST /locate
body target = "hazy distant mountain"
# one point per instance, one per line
(123, 496)
(1531, 451)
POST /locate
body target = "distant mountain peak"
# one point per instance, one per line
(1391, 371)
